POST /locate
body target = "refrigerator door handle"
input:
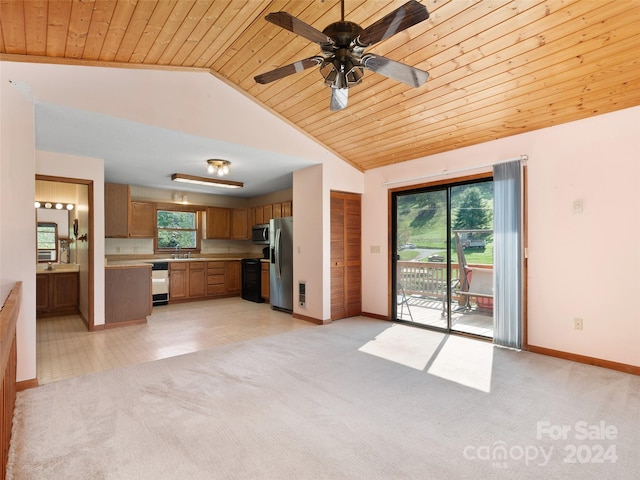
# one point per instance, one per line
(277, 254)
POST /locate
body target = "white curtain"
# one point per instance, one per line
(507, 252)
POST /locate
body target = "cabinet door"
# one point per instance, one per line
(142, 219)
(277, 210)
(267, 213)
(65, 290)
(116, 210)
(197, 279)
(42, 292)
(240, 224)
(233, 277)
(218, 222)
(259, 216)
(178, 281)
(215, 278)
(264, 281)
(287, 209)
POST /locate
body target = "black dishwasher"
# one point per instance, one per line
(251, 279)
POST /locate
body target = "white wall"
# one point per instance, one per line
(579, 265)
(83, 168)
(17, 216)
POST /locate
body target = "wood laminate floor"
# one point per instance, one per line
(65, 348)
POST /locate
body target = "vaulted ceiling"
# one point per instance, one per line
(497, 67)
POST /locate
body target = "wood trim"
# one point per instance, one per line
(91, 234)
(574, 357)
(26, 384)
(317, 321)
(9, 357)
(11, 57)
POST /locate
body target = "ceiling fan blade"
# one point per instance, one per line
(287, 70)
(293, 24)
(414, 77)
(339, 97)
(404, 17)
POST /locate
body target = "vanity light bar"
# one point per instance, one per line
(54, 205)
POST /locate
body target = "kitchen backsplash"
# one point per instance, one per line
(144, 246)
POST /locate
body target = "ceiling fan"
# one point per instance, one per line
(342, 59)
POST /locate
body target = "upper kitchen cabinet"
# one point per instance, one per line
(142, 219)
(240, 224)
(287, 211)
(227, 223)
(264, 213)
(124, 218)
(116, 210)
(218, 222)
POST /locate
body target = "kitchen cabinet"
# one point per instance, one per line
(124, 218)
(263, 213)
(264, 281)
(258, 215)
(287, 211)
(218, 222)
(239, 224)
(267, 213)
(128, 295)
(142, 219)
(197, 279)
(233, 277)
(57, 293)
(215, 278)
(116, 210)
(178, 278)
(276, 210)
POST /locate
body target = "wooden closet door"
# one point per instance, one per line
(346, 255)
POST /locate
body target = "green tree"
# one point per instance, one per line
(473, 211)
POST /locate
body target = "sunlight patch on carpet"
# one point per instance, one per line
(465, 361)
(408, 346)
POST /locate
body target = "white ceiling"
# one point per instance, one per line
(145, 155)
(149, 124)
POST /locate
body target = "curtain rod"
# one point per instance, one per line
(523, 157)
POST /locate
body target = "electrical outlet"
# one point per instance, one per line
(577, 323)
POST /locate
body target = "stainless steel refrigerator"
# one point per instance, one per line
(281, 263)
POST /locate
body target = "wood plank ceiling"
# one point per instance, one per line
(497, 67)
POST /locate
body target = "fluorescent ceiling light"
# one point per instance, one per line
(210, 182)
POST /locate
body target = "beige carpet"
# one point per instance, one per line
(357, 399)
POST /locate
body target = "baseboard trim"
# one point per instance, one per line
(598, 362)
(26, 384)
(375, 315)
(317, 321)
(127, 323)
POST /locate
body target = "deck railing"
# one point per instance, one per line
(427, 279)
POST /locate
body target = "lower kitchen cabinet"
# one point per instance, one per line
(233, 277)
(57, 293)
(195, 280)
(178, 280)
(127, 294)
(215, 278)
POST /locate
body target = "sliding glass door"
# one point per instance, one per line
(443, 257)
